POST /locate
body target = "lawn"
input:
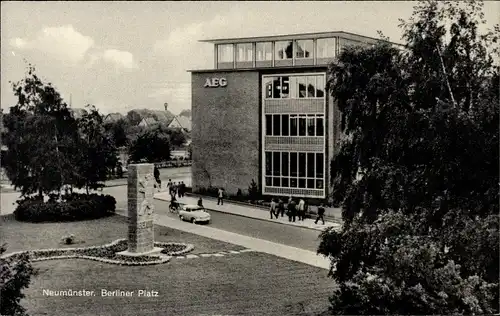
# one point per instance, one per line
(248, 283)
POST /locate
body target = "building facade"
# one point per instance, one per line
(263, 114)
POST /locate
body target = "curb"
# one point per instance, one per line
(257, 218)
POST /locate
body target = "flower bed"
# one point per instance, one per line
(109, 253)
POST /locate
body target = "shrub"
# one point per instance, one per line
(72, 207)
(16, 273)
(69, 240)
(253, 191)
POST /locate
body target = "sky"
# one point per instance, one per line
(120, 56)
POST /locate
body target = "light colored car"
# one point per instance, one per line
(194, 214)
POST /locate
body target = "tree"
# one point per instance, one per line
(40, 135)
(118, 132)
(151, 146)
(97, 152)
(133, 117)
(420, 233)
(15, 275)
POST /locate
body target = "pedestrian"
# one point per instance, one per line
(169, 186)
(220, 197)
(281, 207)
(200, 202)
(321, 214)
(180, 190)
(292, 211)
(272, 209)
(301, 209)
(156, 173)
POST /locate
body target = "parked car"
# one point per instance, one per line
(194, 214)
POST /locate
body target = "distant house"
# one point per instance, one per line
(147, 122)
(181, 122)
(113, 117)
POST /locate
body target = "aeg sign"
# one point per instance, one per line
(215, 82)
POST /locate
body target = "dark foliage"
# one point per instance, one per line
(417, 174)
(15, 276)
(151, 146)
(72, 207)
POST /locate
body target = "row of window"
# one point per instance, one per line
(299, 49)
(294, 164)
(294, 87)
(286, 182)
(295, 125)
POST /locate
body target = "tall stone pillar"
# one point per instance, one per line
(140, 209)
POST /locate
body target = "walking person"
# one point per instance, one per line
(272, 209)
(181, 190)
(292, 211)
(321, 214)
(200, 202)
(169, 186)
(281, 207)
(220, 197)
(156, 173)
(301, 206)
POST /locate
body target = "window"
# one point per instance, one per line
(311, 126)
(311, 86)
(320, 129)
(284, 50)
(269, 181)
(268, 86)
(293, 182)
(319, 165)
(319, 184)
(310, 165)
(284, 182)
(325, 47)
(284, 164)
(277, 88)
(293, 87)
(276, 163)
(276, 125)
(320, 86)
(301, 82)
(285, 121)
(293, 125)
(293, 164)
(244, 52)
(269, 125)
(264, 51)
(302, 125)
(302, 164)
(268, 163)
(303, 48)
(225, 53)
(276, 182)
(285, 87)
(302, 183)
(310, 183)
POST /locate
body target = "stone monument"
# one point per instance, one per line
(140, 210)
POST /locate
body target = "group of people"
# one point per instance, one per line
(294, 210)
(176, 189)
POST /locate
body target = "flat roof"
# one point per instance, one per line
(259, 68)
(342, 34)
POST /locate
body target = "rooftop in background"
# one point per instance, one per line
(299, 36)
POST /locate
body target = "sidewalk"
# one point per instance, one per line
(248, 211)
(260, 245)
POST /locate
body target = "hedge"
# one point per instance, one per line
(72, 207)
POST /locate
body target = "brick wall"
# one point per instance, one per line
(225, 135)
